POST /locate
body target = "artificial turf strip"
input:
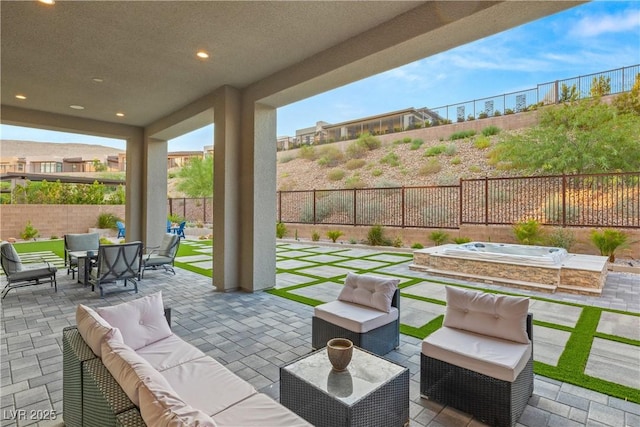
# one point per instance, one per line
(56, 246)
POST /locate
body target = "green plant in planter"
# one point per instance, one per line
(528, 232)
(417, 246)
(334, 235)
(315, 236)
(105, 241)
(175, 218)
(108, 220)
(29, 232)
(561, 238)
(376, 237)
(438, 237)
(281, 230)
(608, 240)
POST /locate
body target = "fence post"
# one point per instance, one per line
(171, 207)
(204, 210)
(402, 207)
(486, 200)
(279, 206)
(314, 205)
(460, 202)
(355, 221)
(564, 200)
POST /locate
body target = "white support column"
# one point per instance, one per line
(257, 190)
(155, 199)
(134, 191)
(227, 261)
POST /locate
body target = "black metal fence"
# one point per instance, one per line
(594, 200)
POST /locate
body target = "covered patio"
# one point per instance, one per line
(129, 70)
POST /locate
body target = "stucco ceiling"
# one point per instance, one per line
(144, 51)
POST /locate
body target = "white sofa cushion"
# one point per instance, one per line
(258, 410)
(207, 385)
(125, 365)
(370, 291)
(169, 352)
(354, 317)
(140, 321)
(160, 406)
(500, 316)
(493, 357)
(92, 328)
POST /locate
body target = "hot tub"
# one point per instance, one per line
(503, 252)
(530, 267)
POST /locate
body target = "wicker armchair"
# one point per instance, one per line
(487, 376)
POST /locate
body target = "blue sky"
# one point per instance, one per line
(589, 38)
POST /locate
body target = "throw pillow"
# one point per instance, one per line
(140, 321)
(500, 316)
(92, 328)
(370, 291)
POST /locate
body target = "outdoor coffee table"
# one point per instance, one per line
(372, 391)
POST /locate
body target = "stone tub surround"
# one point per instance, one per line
(580, 274)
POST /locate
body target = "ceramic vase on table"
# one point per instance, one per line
(339, 351)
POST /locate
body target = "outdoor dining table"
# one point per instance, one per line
(85, 259)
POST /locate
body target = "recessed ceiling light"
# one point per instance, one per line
(98, 79)
(76, 107)
(120, 114)
(21, 97)
(47, 1)
(202, 54)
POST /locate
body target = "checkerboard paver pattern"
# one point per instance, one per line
(255, 334)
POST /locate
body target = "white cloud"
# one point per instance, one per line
(595, 25)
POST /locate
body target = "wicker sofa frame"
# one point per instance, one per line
(379, 341)
(90, 395)
(490, 400)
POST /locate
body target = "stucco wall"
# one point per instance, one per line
(52, 220)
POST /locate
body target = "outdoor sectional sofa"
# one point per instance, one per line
(122, 366)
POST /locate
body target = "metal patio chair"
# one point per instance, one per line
(19, 274)
(117, 263)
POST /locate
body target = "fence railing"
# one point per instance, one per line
(619, 80)
(594, 200)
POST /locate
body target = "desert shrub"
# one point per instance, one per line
(456, 161)
(608, 240)
(406, 140)
(307, 152)
(435, 150)
(416, 143)
(330, 156)
(353, 241)
(461, 240)
(397, 242)
(370, 141)
(471, 117)
(491, 130)
(508, 111)
(354, 181)
(364, 143)
(450, 150)
(483, 115)
(417, 246)
(387, 184)
(325, 206)
(376, 172)
(281, 230)
(53, 237)
(482, 142)
(438, 237)
(430, 167)
(286, 158)
(334, 235)
(391, 159)
(356, 150)
(107, 220)
(475, 169)
(354, 164)
(447, 179)
(561, 238)
(29, 232)
(553, 210)
(497, 113)
(376, 237)
(335, 174)
(528, 232)
(315, 236)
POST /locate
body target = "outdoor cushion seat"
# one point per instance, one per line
(367, 312)
(19, 274)
(164, 255)
(481, 360)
